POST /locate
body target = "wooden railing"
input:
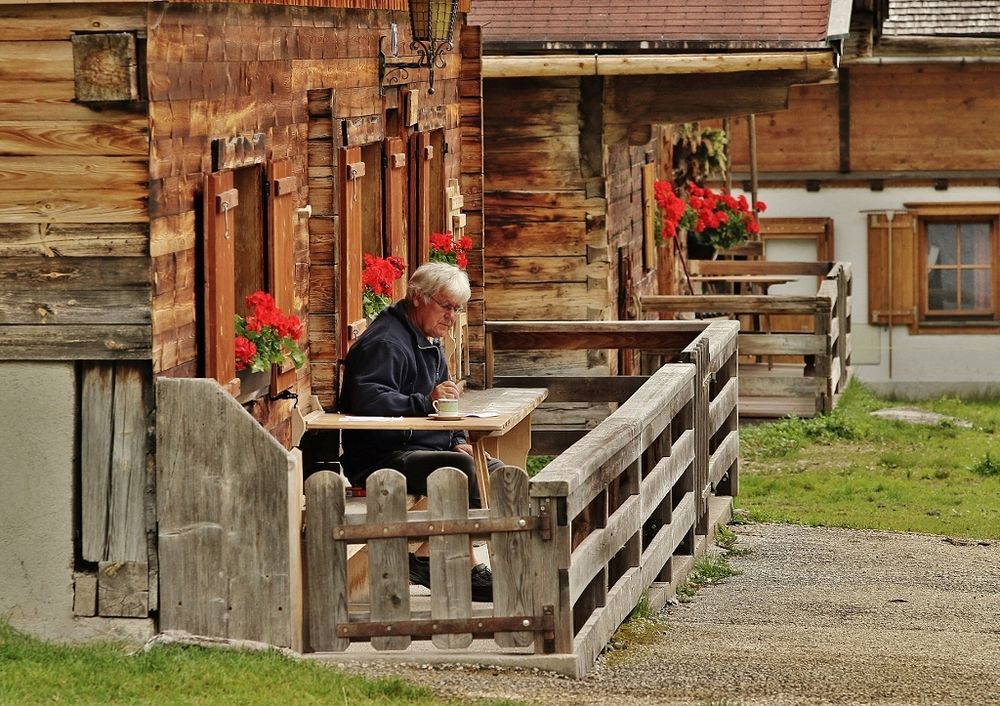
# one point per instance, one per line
(623, 509)
(795, 350)
(631, 495)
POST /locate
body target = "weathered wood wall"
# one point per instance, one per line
(891, 118)
(74, 234)
(564, 217)
(306, 78)
(101, 222)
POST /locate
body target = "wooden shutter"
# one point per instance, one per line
(892, 269)
(282, 186)
(648, 216)
(219, 286)
(351, 175)
(424, 154)
(395, 206)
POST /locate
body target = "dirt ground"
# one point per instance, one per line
(817, 616)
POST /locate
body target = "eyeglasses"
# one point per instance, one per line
(450, 308)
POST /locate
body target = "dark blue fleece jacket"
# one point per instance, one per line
(391, 371)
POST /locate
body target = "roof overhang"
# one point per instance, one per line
(820, 63)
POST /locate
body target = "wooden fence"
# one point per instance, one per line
(623, 509)
(795, 351)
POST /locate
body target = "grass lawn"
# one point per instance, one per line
(35, 672)
(849, 469)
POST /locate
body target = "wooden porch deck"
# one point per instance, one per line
(619, 512)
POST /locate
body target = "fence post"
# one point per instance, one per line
(388, 570)
(551, 572)
(824, 395)
(326, 562)
(448, 499)
(698, 353)
(513, 554)
(843, 327)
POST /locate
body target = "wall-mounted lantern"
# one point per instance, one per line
(432, 23)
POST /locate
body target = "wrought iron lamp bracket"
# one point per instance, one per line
(429, 56)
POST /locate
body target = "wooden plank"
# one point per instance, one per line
(511, 238)
(27, 274)
(577, 388)
(666, 473)
(725, 455)
(448, 499)
(326, 562)
(779, 385)
(129, 450)
(514, 554)
(281, 220)
(74, 206)
(582, 339)
(50, 21)
(514, 270)
(218, 285)
(35, 60)
(96, 440)
(75, 342)
(777, 407)
(123, 589)
(728, 304)
(52, 101)
(19, 240)
(396, 205)
(759, 267)
(783, 344)
(55, 172)
(594, 553)
(126, 306)
(722, 406)
(296, 570)
(549, 301)
(85, 138)
(387, 558)
(350, 265)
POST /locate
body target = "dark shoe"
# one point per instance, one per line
(481, 576)
(420, 570)
(482, 584)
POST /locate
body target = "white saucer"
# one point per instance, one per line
(445, 417)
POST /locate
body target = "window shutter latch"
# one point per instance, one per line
(354, 170)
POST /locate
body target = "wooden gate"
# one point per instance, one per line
(516, 537)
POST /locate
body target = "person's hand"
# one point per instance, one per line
(463, 448)
(447, 390)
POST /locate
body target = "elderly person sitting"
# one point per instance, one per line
(397, 367)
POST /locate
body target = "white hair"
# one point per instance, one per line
(434, 278)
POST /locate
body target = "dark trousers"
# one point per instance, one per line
(418, 465)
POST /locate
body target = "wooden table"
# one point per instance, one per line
(506, 434)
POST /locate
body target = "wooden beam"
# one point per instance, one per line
(654, 64)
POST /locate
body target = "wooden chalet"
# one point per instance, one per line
(574, 97)
(159, 162)
(900, 160)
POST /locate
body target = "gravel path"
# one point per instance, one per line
(818, 616)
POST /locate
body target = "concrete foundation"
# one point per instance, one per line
(37, 461)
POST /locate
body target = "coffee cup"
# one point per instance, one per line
(446, 407)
